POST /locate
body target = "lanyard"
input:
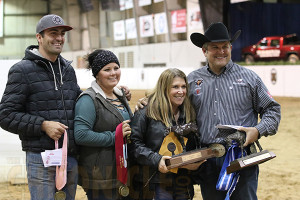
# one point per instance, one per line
(61, 172)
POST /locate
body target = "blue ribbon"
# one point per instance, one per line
(227, 182)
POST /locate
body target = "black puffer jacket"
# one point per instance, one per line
(31, 97)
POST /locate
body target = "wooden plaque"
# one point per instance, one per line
(190, 157)
(252, 159)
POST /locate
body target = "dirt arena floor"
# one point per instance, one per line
(279, 179)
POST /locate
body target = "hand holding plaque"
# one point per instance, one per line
(245, 161)
(176, 148)
(194, 156)
(250, 160)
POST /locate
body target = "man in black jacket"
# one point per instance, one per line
(38, 105)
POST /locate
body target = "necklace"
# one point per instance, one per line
(176, 116)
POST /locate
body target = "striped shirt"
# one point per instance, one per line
(235, 97)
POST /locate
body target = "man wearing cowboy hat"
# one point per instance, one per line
(226, 93)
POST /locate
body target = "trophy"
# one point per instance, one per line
(250, 160)
(188, 157)
(245, 161)
(193, 156)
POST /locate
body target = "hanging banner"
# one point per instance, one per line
(119, 30)
(130, 28)
(122, 4)
(178, 18)
(144, 2)
(194, 19)
(110, 5)
(146, 26)
(125, 4)
(161, 25)
(1, 18)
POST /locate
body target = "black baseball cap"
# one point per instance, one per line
(50, 21)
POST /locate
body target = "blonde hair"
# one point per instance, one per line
(159, 104)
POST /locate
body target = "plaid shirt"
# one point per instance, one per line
(235, 97)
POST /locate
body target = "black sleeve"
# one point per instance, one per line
(13, 116)
(143, 155)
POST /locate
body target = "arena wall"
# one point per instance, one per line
(280, 80)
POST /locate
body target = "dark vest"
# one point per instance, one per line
(97, 165)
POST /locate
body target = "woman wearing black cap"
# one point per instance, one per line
(99, 110)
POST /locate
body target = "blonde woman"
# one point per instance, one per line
(167, 106)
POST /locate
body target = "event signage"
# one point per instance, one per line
(144, 2)
(194, 19)
(178, 18)
(125, 4)
(161, 25)
(119, 30)
(130, 28)
(146, 26)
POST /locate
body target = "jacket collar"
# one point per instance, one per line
(99, 90)
(32, 53)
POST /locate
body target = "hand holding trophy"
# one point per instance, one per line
(183, 157)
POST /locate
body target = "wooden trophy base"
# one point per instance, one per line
(247, 161)
(190, 157)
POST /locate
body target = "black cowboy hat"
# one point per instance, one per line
(216, 32)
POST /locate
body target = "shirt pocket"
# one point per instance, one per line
(238, 97)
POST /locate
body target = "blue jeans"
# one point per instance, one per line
(208, 175)
(41, 180)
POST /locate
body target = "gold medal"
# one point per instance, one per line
(124, 191)
(60, 195)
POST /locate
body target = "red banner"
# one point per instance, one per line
(178, 21)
